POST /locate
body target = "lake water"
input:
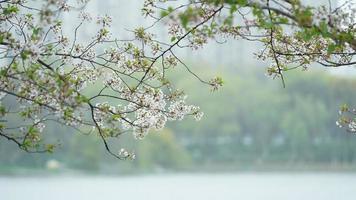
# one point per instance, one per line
(251, 186)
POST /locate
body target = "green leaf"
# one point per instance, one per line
(10, 9)
(2, 38)
(25, 54)
(331, 48)
(242, 2)
(2, 110)
(50, 148)
(164, 13)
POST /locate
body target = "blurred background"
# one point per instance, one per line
(256, 140)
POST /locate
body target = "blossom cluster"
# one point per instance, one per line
(112, 85)
(293, 34)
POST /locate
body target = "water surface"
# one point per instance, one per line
(251, 186)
